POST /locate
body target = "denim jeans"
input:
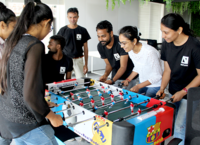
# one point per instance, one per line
(149, 91)
(180, 120)
(43, 135)
(5, 141)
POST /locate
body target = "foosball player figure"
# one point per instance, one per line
(132, 107)
(60, 92)
(112, 97)
(121, 95)
(91, 97)
(128, 99)
(95, 108)
(105, 114)
(98, 91)
(79, 97)
(92, 102)
(103, 88)
(72, 95)
(76, 84)
(139, 111)
(102, 100)
(88, 94)
(100, 94)
(81, 103)
(113, 103)
(87, 90)
(67, 97)
(106, 89)
(109, 92)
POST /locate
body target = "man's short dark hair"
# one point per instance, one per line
(105, 25)
(60, 40)
(72, 10)
(27, 1)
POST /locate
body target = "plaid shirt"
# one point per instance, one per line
(1, 46)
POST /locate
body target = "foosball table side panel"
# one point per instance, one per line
(86, 130)
(155, 129)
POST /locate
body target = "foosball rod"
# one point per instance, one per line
(85, 92)
(63, 110)
(82, 112)
(110, 103)
(106, 124)
(95, 101)
(79, 89)
(121, 119)
(71, 125)
(87, 97)
(127, 107)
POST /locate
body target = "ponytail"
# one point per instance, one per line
(32, 14)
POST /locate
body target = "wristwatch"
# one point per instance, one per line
(112, 81)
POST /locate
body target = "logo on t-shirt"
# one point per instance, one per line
(117, 57)
(185, 61)
(62, 70)
(78, 36)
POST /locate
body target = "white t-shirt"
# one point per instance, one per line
(148, 65)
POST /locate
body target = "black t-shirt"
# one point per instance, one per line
(183, 62)
(113, 56)
(75, 38)
(56, 69)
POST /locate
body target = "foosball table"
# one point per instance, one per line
(104, 114)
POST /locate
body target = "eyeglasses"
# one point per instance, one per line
(51, 29)
(122, 43)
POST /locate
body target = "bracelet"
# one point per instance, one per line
(185, 90)
(112, 81)
(128, 80)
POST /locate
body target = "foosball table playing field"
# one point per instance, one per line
(104, 114)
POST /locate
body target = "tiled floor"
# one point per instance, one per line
(95, 77)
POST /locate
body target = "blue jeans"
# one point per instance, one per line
(5, 141)
(43, 135)
(180, 120)
(149, 91)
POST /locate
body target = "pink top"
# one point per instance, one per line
(1, 47)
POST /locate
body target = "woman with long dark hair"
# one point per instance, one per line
(7, 24)
(180, 52)
(146, 60)
(23, 108)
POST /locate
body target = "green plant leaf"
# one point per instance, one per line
(107, 4)
(123, 1)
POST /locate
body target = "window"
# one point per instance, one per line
(150, 15)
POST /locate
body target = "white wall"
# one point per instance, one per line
(3, 1)
(92, 12)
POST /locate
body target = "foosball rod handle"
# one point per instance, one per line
(71, 125)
